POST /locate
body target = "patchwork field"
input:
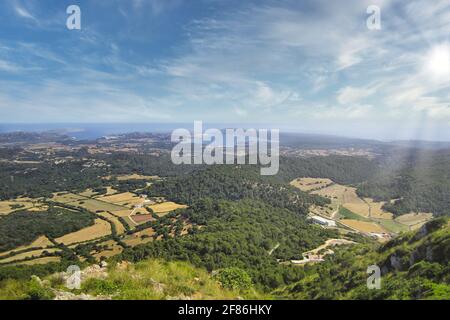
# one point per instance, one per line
(100, 229)
(119, 226)
(346, 202)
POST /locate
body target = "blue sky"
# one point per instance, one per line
(311, 66)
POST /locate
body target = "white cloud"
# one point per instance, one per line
(351, 95)
(24, 13)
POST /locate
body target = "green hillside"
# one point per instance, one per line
(414, 266)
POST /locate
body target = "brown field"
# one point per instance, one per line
(376, 211)
(125, 199)
(40, 261)
(136, 177)
(131, 203)
(308, 184)
(142, 218)
(6, 206)
(362, 226)
(119, 226)
(414, 220)
(361, 208)
(38, 208)
(122, 213)
(166, 207)
(29, 254)
(41, 242)
(121, 197)
(100, 229)
(66, 198)
(96, 205)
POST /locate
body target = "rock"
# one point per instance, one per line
(157, 286)
(395, 262)
(103, 264)
(64, 295)
(123, 265)
(429, 254)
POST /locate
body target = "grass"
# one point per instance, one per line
(392, 226)
(347, 214)
(156, 279)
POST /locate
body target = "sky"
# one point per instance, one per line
(307, 65)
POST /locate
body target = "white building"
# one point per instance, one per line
(323, 221)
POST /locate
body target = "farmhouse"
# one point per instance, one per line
(323, 221)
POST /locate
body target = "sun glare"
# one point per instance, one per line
(437, 61)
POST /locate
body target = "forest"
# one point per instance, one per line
(22, 227)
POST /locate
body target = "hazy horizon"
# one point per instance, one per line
(96, 130)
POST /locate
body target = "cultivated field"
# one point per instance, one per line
(119, 226)
(39, 261)
(135, 177)
(414, 220)
(66, 197)
(100, 229)
(142, 218)
(41, 242)
(28, 254)
(166, 207)
(126, 199)
(95, 205)
(362, 226)
(6, 207)
(140, 237)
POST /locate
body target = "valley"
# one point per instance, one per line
(120, 201)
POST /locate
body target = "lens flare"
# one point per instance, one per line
(437, 62)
